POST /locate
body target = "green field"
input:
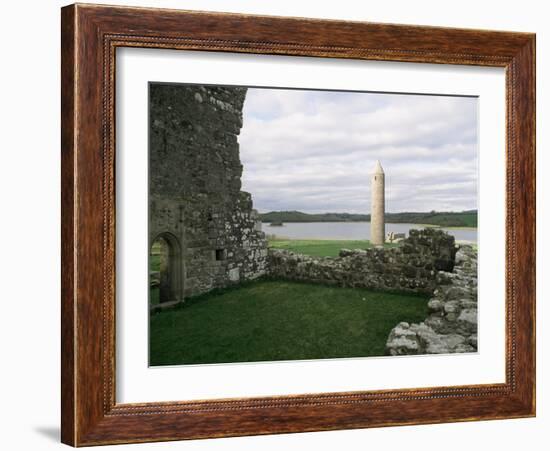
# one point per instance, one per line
(320, 248)
(275, 320)
(154, 265)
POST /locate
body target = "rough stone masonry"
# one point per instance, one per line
(452, 324)
(415, 266)
(196, 206)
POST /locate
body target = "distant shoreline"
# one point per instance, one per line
(387, 222)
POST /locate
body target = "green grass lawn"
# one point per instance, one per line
(154, 293)
(154, 265)
(320, 248)
(154, 262)
(275, 320)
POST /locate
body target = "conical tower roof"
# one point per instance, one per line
(378, 168)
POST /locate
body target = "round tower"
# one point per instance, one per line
(377, 224)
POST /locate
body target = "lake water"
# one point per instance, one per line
(351, 231)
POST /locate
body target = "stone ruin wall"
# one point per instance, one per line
(195, 196)
(415, 266)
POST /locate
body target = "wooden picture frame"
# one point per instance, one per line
(90, 36)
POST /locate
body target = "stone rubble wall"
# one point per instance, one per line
(415, 266)
(195, 194)
(451, 326)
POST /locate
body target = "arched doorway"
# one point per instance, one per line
(166, 281)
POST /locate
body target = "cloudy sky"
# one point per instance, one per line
(314, 151)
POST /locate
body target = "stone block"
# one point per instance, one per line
(234, 275)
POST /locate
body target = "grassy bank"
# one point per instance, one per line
(276, 320)
(320, 248)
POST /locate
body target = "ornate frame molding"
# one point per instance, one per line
(90, 36)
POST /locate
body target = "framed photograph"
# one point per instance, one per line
(278, 225)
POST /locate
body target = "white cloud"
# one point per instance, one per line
(314, 150)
